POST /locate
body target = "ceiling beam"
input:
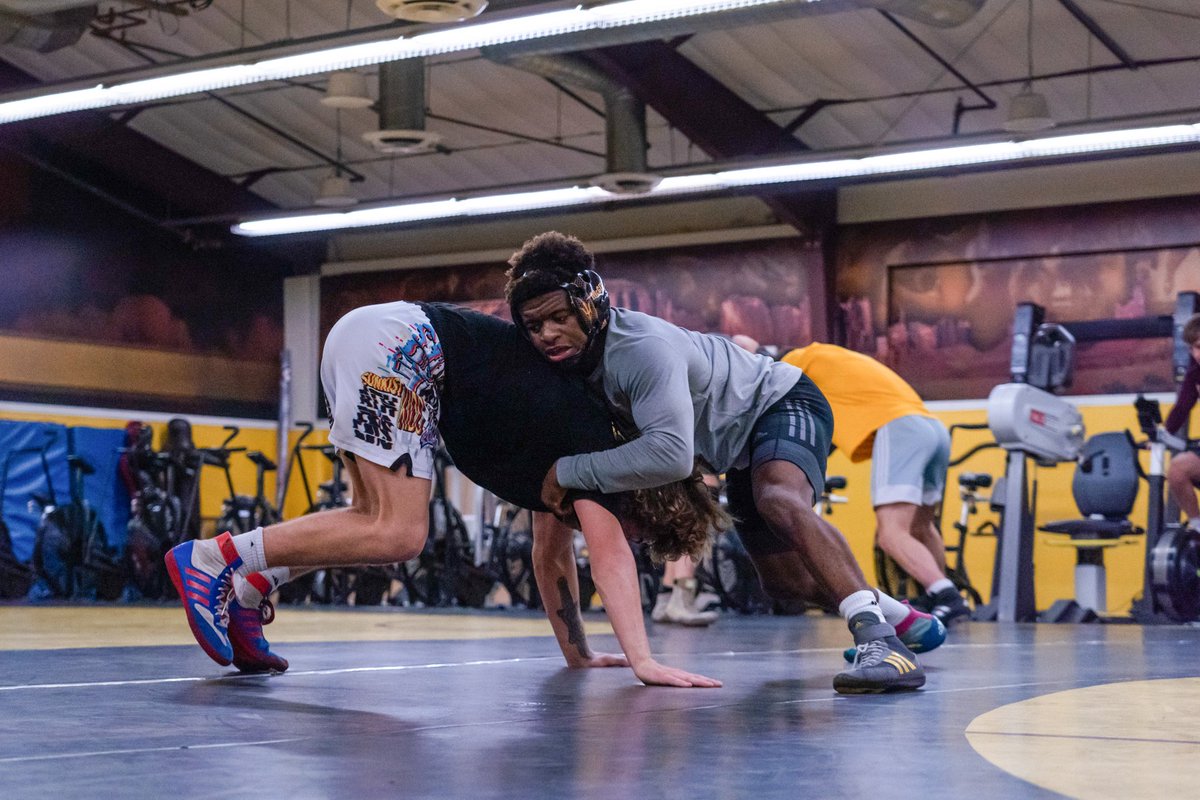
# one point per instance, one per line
(1088, 21)
(726, 127)
(158, 181)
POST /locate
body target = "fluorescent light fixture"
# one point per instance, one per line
(424, 42)
(868, 166)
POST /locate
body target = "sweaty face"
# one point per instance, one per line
(553, 327)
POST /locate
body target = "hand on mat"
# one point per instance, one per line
(652, 673)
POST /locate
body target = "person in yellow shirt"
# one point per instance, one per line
(877, 415)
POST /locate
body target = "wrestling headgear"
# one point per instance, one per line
(585, 293)
(589, 298)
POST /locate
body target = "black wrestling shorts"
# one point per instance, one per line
(797, 428)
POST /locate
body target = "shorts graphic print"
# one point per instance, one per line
(382, 371)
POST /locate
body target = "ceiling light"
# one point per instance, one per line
(877, 165)
(346, 89)
(422, 42)
(1028, 112)
(334, 192)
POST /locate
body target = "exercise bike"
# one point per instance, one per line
(1172, 570)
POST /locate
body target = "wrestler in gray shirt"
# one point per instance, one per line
(689, 394)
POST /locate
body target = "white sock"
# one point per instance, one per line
(250, 548)
(859, 602)
(251, 590)
(1194, 524)
(894, 612)
(937, 586)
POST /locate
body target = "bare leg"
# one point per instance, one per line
(784, 498)
(925, 531)
(787, 579)
(387, 523)
(897, 523)
(1183, 476)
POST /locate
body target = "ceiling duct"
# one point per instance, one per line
(402, 110)
(44, 32)
(624, 118)
(432, 10)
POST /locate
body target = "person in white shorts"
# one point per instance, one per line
(396, 376)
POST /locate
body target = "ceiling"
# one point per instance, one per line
(825, 76)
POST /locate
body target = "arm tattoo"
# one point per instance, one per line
(569, 614)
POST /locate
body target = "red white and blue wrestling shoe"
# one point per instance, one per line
(202, 572)
(251, 651)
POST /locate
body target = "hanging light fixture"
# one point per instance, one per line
(334, 191)
(1028, 111)
(346, 89)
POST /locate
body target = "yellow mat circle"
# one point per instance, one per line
(1139, 739)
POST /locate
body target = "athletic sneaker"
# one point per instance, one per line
(251, 651)
(922, 602)
(882, 663)
(677, 606)
(949, 605)
(202, 573)
(919, 631)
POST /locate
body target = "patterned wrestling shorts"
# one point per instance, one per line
(382, 370)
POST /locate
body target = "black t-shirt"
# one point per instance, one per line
(507, 414)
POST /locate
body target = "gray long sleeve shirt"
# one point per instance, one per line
(688, 394)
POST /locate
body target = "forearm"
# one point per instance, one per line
(1184, 401)
(558, 583)
(653, 380)
(653, 459)
(615, 574)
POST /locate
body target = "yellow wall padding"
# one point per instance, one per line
(50, 364)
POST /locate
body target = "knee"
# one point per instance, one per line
(888, 535)
(781, 508)
(1184, 469)
(397, 541)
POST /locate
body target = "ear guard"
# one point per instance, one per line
(589, 299)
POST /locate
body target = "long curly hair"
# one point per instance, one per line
(676, 520)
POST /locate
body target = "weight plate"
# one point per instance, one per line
(1175, 573)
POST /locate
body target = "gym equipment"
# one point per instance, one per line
(1171, 590)
(969, 484)
(1036, 424)
(1105, 487)
(16, 577)
(72, 552)
(1028, 422)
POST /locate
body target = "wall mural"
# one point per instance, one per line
(935, 299)
(756, 288)
(78, 270)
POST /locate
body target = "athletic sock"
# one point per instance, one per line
(251, 589)
(894, 612)
(858, 603)
(250, 548)
(939, 585)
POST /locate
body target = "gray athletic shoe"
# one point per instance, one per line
(882, 664)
